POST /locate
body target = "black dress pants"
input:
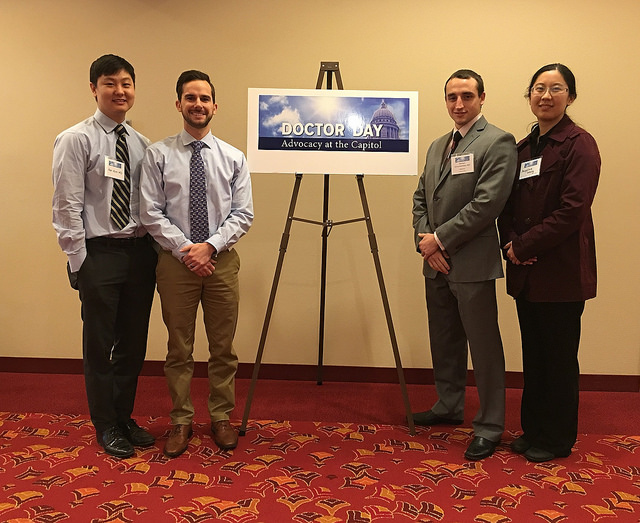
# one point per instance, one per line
(116, 284)
(550, 337)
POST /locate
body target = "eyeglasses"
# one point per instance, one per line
(554, 90)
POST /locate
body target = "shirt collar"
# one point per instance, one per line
(107, 123)
(466, 127)
(186, 139)
(561, 130)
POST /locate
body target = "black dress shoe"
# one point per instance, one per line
(114, 443)
(480, 448)
(429, 418)
(136, 435)
(540, 455)
(520, 445)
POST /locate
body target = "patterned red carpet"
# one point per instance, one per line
(52, 470)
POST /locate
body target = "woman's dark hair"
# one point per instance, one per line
(563, 70)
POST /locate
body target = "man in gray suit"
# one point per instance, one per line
(467, 178)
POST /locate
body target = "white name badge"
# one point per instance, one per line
(462, 163)
(530, 168)
(113, 168)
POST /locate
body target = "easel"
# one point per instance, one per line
(330, 69)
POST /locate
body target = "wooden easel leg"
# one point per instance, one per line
(385, 302)
(323, 278)
(272, 298)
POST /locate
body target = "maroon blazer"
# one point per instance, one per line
(549, 216)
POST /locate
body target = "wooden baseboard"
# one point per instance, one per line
(592, 382)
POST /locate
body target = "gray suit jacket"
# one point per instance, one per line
(463, 208)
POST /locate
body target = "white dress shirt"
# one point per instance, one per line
(82, 192)
(164, 192)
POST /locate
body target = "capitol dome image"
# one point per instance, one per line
(383, 116)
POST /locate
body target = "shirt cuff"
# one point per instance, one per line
(435, 235)
(76, 260)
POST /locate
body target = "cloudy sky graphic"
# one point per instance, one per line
(352, 112)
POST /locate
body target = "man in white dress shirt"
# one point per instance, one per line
(111, 259)
(196, 202)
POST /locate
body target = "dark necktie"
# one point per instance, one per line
(121, 193)
(456, 138)
(198, 215)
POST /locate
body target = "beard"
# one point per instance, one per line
(197, 124)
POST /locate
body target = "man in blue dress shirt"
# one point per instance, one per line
(111, 259)
(196, 202)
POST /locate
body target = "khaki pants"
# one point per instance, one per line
(181, 292)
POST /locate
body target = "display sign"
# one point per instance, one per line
(332, 131)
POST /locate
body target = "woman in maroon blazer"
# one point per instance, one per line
(546, 231)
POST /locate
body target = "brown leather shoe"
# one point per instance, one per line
(224, 434)
(178, 440)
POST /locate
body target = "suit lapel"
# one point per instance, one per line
(436, 166)
(464, 144)
(472, 135)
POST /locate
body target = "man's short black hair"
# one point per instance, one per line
(107, 65)
(466, 74)
(190, 76)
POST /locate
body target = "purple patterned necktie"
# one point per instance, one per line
(198, 215)
(121, 193)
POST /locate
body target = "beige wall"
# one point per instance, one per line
(46, 48)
